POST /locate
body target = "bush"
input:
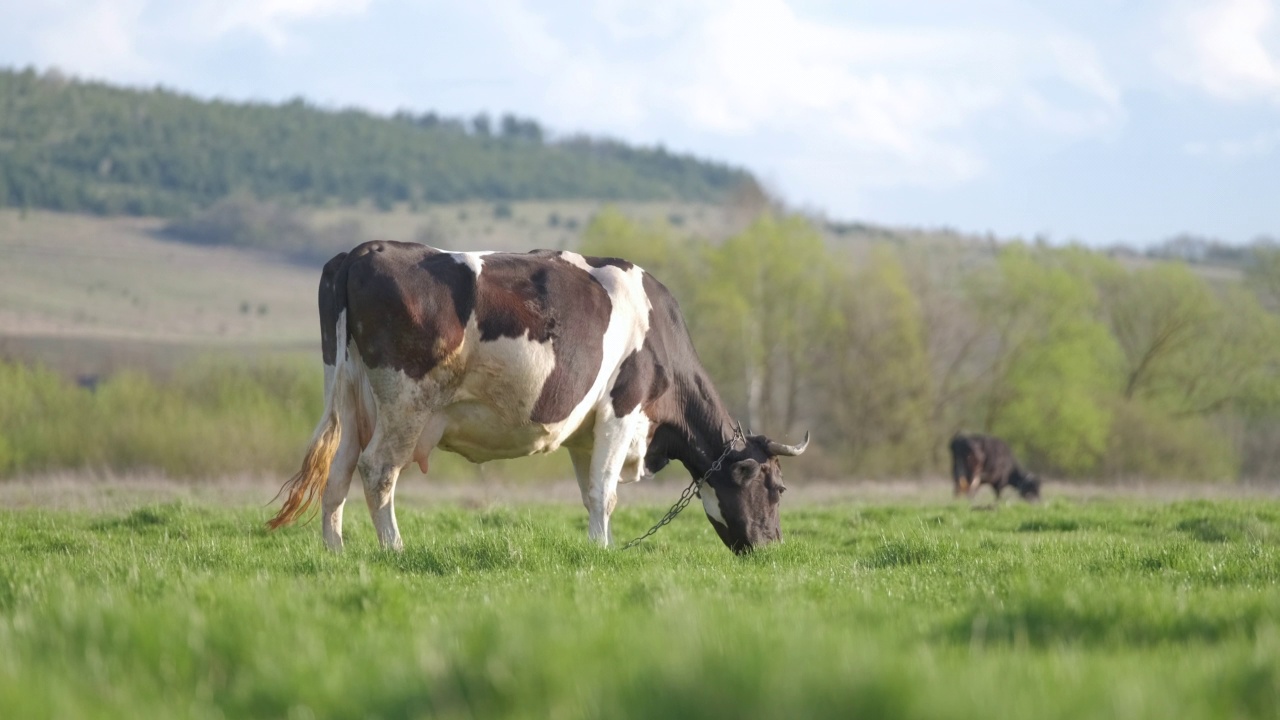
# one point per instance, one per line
(212, 419)
(1146, 443)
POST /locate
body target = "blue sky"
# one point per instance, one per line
(1099, 120)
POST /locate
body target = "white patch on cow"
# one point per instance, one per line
(340, 339)
(487, 414)
(359, 398)
(575, 260)
(473, 260)
(633, 469)
(339, 350)
(711, 503)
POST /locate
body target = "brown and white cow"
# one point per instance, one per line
(979, 459)
(499, 355)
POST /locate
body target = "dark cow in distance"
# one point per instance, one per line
(979, 459)
(500, 355)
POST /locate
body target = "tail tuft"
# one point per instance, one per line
(310, 480)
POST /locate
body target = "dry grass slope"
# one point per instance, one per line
(71, 275)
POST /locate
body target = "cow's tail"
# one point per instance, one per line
(309, 481)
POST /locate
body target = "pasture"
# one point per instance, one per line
(898, 607)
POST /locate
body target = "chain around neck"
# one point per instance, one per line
(694, 489)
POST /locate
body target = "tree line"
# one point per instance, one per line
(1090, 366)
(74, 145)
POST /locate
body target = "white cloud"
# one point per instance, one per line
(632, 19)
(100, 36)
(269, 19)
(1257, 145)
(114, 38)
(902, 102)
(1226, 48)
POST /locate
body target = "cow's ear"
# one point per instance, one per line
(744, 470)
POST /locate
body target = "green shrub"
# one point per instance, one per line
(1149, 444)
(213, 418)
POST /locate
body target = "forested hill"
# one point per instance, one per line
(74, 145)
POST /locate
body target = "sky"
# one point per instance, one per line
(1098, 121)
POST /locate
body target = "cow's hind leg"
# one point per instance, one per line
(390, 449)
(335, 489)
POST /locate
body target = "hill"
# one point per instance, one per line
(73, 145)
(90, 295)
(126, 284)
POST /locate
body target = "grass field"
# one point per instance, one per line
(116, 279)
(1074, 608)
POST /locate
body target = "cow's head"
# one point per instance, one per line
(1028, 485)
(741, 499)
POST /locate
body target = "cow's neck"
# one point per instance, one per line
(694, 432)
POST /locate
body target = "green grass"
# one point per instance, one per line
(1099, 609)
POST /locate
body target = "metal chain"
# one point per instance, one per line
(693, 490)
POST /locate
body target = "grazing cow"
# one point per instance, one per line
(499, 355)
(978, 459)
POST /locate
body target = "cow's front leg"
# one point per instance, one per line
(959, 478)
(602, 498)
(974, 487)
(581, 458)
(614, 437)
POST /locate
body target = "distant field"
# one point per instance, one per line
(77, 276)
(521, 226)
(87, 294)
(1104, 608)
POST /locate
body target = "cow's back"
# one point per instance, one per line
(989, 456)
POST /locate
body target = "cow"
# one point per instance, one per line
(501, 355)
(978, 459)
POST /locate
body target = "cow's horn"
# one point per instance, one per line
(777, 448)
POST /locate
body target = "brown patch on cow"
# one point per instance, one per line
(408, 304)
(642, 377)
(547, 300)
(599, 262)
